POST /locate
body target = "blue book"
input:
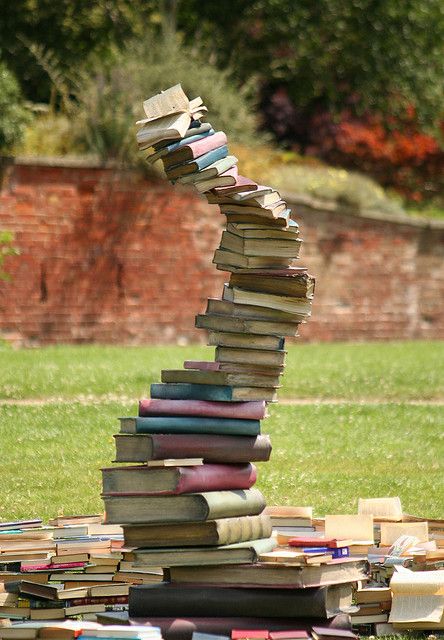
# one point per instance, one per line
(341, 552)
(166, 149)
(191, 424)
(190, 166)
(189, 391)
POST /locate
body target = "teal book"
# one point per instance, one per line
(190, 424)
(187, 391)
(191, 166)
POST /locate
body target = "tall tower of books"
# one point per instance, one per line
(189, 501)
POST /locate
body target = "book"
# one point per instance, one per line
(255, 194)
(280, 221)
(193, 150)
(170, 127)
(168, 147)
(358, 528)
(264, 574)
(176, 600)
(246, 326)
(265, 233)
(196, 128)
(212, 448)
(327, 633)
(382, 509)
(288, 304)
(194, 507)
(172, 100)
(233, 367)
(177, 480)
(217, 532)
(245, 340)
(242, 183)
(194, 376)
(288, 282)
(198, 164)
(236, 553)
(226, 178)
(418, 598)
(215, 169)
(263, 357)
(190, 424)
(233, 310)
(288, 248)
(230, 259)
(220, 393)
(272, 211)
(239, 410)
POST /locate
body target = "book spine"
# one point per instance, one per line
(201, 408)
(218, 426)
(216, 477)
(167, 599)
(189, 391)
(212, 448)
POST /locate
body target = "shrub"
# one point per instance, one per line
(13, 114)
(110, 98)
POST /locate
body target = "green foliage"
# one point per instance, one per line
(13, 114)
(377, 56)
(110, 97)
(347, 189)
(6, 249)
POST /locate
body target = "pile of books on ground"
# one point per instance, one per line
(71, 566)
(405, 589)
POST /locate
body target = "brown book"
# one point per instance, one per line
(231, 261)
(288, 248)
(288, 282)
(195, 507)
(264, 357)
(263, 231)
(274, 575)
(195, 376)
(217, 306)
(212, 448)
(192, 534)
(215, 322)
(245, 340)
(289, 304)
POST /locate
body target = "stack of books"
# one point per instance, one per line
(187, 501)
(69, 567)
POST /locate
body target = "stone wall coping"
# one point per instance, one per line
(91, 162)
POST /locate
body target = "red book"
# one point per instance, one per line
(242, 184)
(241, 634)
(306, 541)
(242, 410)
(47, 566)
(143, 480)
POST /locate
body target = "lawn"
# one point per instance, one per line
(326, 454)
(370, 371)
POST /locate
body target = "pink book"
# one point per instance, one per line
(195, 149)
(242, 410)
(202, 365)
(47, 566)
(242, 184)
(206, 477)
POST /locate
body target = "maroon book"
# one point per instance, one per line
(164, 407)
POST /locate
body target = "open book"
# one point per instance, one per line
(418, 597)
(172, 101)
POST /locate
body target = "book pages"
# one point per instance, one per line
(416, 608)
(421, 583)
(173, 100)
(381, 508)
(391, 531)
(358, 528)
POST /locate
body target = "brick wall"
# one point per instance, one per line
(108, 256)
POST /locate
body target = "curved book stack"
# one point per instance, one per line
(190, 501)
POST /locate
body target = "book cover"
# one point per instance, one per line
(195, 507)
(143, 480)
(240, 410)
(165, 598)
(210, 447)
(193, 150)
(221, 393)
(198, 164)
(190, 424)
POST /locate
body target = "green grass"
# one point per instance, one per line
(326, 456)
(371, 371)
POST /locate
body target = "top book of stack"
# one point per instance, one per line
(168, 116)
